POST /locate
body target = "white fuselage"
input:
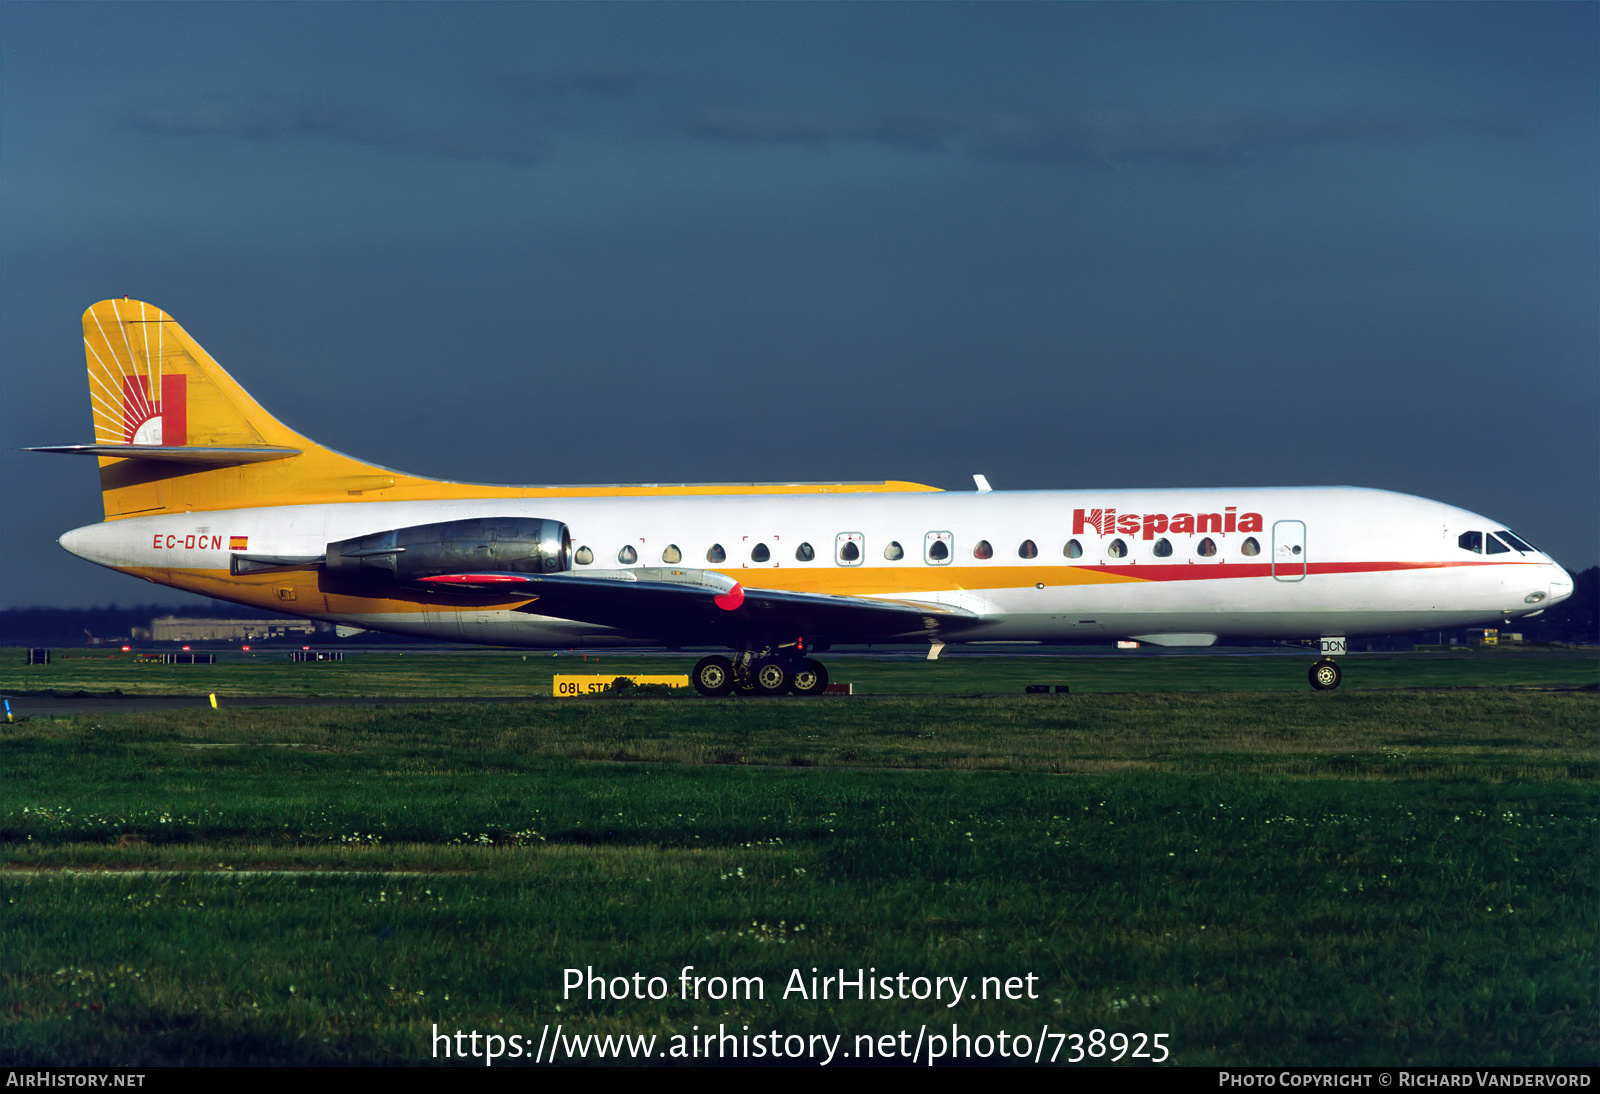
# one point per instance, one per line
(1175, 566)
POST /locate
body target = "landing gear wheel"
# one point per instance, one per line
(713, 676)
(770, 677)
(809, 678)
(1325, 675)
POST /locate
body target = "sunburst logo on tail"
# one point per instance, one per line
(158, 418)
(135, 399)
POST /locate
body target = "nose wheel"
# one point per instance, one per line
(1325, 675)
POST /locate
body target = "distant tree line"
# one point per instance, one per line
(80, 626)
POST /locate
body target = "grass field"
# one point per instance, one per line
(1261, 875)
(501, 674)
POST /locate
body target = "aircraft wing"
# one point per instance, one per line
(693, 607)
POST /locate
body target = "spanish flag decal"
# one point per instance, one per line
(238, 543)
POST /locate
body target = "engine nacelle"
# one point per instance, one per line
(524, 545)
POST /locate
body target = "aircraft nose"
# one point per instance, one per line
(1560, 584)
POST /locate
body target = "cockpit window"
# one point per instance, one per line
(1471, 541)
(1495, 547)
(1516, 541)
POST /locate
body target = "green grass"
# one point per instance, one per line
(1264, 877)
(430, 674)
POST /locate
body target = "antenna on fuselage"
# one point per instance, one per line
(983, 484)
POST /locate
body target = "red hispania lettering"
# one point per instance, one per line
(1230, 519)
(1208, 522)
(1183, 523)
(1080, 522)
(1250, 522)
(1127, 524)
(1154, 523)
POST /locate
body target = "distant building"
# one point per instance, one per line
(172, 628)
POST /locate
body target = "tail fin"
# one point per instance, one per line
(175, 433)
(201, 442)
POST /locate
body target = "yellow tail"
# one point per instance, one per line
(204, 443)
(175, 433)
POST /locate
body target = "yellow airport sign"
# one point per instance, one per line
(570, 687)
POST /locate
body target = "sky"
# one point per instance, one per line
(1062, 245)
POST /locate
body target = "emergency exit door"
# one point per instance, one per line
(1289, 550)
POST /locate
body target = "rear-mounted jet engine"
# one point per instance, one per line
(523, 545)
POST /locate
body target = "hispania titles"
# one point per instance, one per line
(1107, 522)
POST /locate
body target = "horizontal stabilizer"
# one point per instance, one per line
(215, 457)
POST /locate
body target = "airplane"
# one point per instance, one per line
(205, 491)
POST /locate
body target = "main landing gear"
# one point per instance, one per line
(752, 675)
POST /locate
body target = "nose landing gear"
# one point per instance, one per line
(1325, 675)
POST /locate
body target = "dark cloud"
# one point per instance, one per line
(273, 117)
(596, 80)
(1109, 135)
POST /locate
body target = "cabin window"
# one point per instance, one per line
(1163, 548)
(716, 554)
(1250, 547)
(1471, 541)
(1117, 548)
(759, 553)
(804, 553)
(847, 548)
(894, 552)
(1207, 548)
(936, 548)
(1495, 547)
(672, 555)
(627, 556)
(1073, 549)
(1029, 549)
(583, 556)
(981, 549)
